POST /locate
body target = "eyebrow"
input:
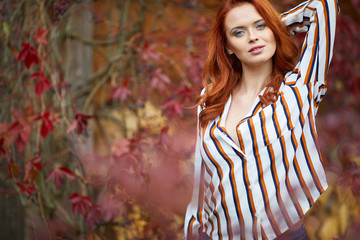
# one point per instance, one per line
(257, 21)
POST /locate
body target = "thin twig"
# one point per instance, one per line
(177, 67)
(43, 215)
(98, 86)
(91, 42)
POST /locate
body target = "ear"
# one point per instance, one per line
(229, 51)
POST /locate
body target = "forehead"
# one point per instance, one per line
(242, 15)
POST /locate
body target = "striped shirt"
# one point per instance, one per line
(262, 188)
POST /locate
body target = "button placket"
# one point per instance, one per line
(254, 185)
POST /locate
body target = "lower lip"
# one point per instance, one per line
(257, 51)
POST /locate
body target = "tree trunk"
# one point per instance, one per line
(12, 226)
(79, 56)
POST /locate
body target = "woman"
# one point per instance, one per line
(258, 168)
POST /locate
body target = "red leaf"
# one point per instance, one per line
(148, 51)
(80, 203)
(26, 188)
(80, 122)
(121, 92)
(164, 138)
(72, 126)
(15, 126)
(28, 54)
(94, 215)
(23, 138)
(33, 166)
(66, 172)
(186, 94)
(74, 197)
(2, 150)
(40, 36)
(172, 107)
(57, 176)
(159, 80)
(47, 125)
(13, 132)
(110, 207)
(58, 173)
(20, 129)
(42, 84)
(12, 169)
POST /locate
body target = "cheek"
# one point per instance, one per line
(237, 45)
(271, 38)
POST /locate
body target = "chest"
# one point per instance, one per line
(239, 109)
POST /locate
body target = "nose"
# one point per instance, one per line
(252, 36)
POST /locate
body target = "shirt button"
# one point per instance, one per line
(251, 187)
(257, 215)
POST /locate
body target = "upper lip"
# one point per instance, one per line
(253, 48)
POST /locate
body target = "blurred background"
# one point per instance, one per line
(97, 125)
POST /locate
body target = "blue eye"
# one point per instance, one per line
(239, 33)
(261, 26)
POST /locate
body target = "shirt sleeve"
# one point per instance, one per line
(193, 217)
(318, 19)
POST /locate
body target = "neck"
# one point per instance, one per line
(254, 78)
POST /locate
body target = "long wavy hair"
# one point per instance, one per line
(222, 71)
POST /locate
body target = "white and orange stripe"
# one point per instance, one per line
(262, 188)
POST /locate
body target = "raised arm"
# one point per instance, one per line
(318, 19)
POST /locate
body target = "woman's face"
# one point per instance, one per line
(248, 37)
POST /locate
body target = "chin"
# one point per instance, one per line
(259, 62)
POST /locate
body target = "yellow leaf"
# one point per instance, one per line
(329, 229)
(343, 217)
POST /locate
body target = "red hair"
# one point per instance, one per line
(222, 72)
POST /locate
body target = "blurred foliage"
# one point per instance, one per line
(96, 125)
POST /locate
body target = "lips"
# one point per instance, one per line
(257, 49)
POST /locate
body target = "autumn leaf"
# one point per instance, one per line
(80, 203)
(47, 125)
(20, 129)
(148, 51)
(28, 54)
(32, 168)
(164, 138)
(110, 207)
(172, 107)
(159, 79)
(13, 132)
(94, 215)
(40, 36)
(185, 93)
(12, 169)
(26, 188)
(42, 84)
(23, 138)
(58, 173)
(14, 127)
(80, 123)
(121, 92)
(2, 150)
